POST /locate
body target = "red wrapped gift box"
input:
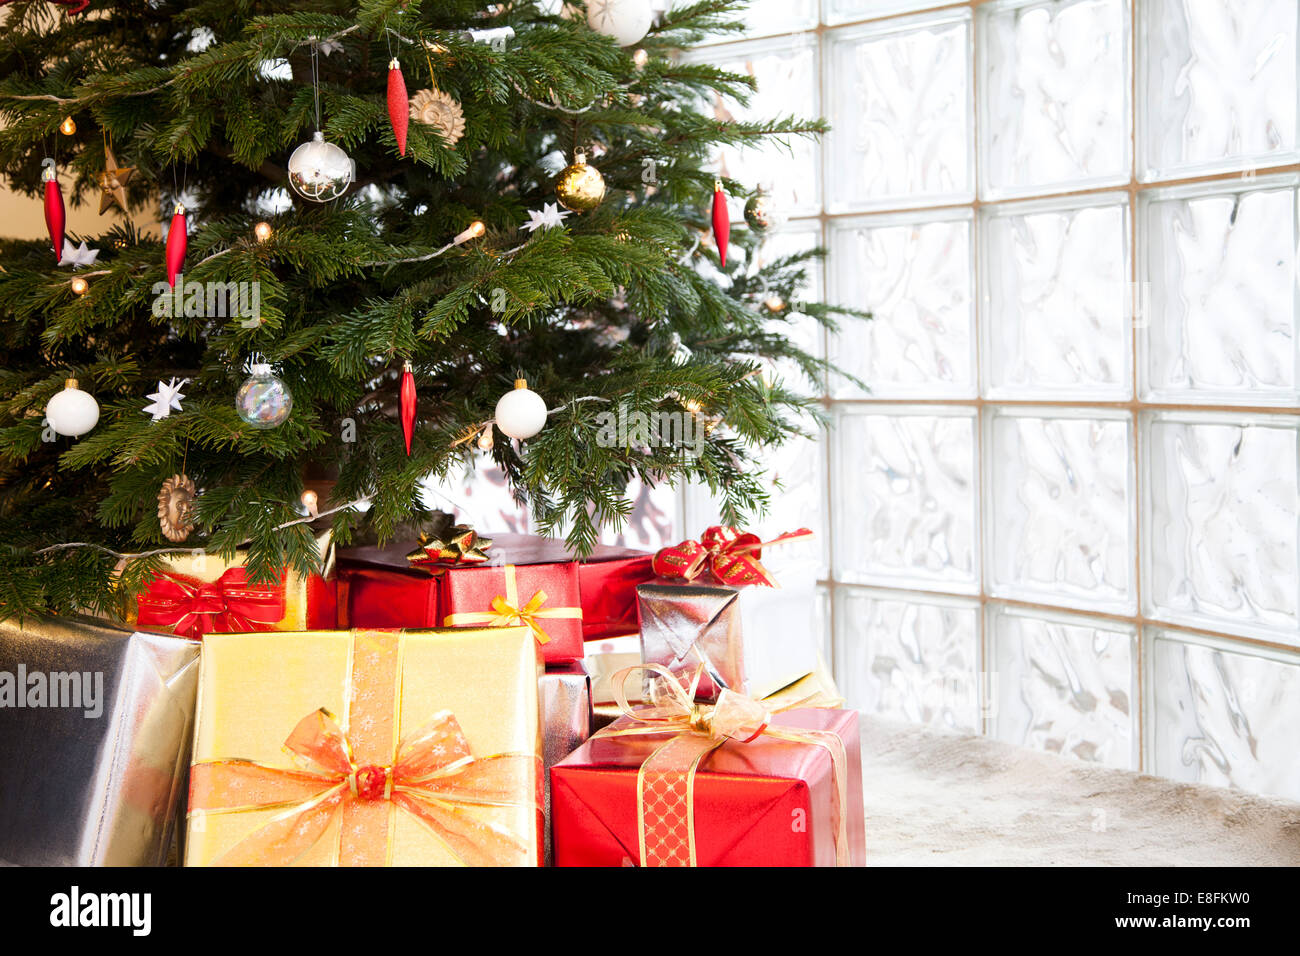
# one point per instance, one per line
(767, 802)
(378, 588)
(542, 596)
(607, 579)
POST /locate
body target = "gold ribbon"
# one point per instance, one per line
(665, 803)
(450, 547)
(507, 612)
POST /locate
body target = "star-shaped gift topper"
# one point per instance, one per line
(78, 256)
(112, 182)
(166, 399)
(545, 218)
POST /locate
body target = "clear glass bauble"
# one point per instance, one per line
(320, 171)
(264, 401)
(761, 214)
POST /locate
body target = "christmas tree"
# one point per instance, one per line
(443, 238)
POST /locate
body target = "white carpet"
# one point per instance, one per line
(935, 798)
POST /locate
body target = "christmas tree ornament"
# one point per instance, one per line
(438, 110)
(472, 231)
(166, 400)
(176, 507)
(626, 21)
(177, 240)
(399, 107)
(78, 285)
(406, 404)
(320, 171)
(78, 256)
(520, 412)
(112, 182)
(721, 221)
(72, 412)
(760, 212)
(263, 231)
(580, 187)
(263, 401)
(56, 215)
(548, 217)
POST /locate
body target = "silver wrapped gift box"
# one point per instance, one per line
(754, 640)
(95, 726)
(565, 700)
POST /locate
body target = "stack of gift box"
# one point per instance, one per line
(461, 700)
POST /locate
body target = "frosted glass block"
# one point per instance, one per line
(1217, 84)
(654, 521)
(904, 492)
(901, 113)
(822, 624)
(845, 11)
(1221, 511)
(766, 17)
(786, 72)
(1060, 503)
(799, 328)
(1225, 715)
(915, 660)
(1065, 684)
(1054, 91)
(915, 276)
(1057, 300)
(480, 497)
(1219, 278)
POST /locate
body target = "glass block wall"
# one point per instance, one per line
(1064, 513)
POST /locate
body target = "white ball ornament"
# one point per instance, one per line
(320, 171)
(72, 412)
(626, 21)
(521, 413)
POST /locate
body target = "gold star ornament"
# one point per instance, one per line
(112, 182)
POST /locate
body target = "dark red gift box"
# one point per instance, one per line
(767, 802)
(378, 588)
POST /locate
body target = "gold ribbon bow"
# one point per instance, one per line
(665, 804)
(452, 547)
(507, 612)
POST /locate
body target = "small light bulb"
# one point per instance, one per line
(485, 440)
(67, 127)
(640, 58)
(473, 231)
(263, 231)
(79, 285)
(774, 303)
(693, 406)
(311, 501)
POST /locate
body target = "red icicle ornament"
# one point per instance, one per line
(56, 216)
(176, 242)
(721, 221)
(399, 105)
(406, 404)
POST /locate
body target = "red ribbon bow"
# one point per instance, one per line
(731, 555)
(192, 607)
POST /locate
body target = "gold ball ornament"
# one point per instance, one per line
(176, 507)
(580, 187)
(439, 110)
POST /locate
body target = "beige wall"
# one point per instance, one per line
(23, 217)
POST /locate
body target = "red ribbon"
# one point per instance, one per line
(192, 607)
(731, 555)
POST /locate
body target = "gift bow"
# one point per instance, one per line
(193, 607)
(506, 610)
(362, 777)
(459, 545)
(665, 809)
(730, 554)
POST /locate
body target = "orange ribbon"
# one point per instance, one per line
(193, 607)
(730, 554)
(665, 802)
(507, 612)
(359, 778)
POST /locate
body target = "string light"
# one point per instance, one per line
(263, 231)
(311, 501)
(79, 285)
(68, 126)
(693, 406)
(473, 231)
(640, 58)
(485, 440)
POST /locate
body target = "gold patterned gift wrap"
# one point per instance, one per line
(367, 748)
